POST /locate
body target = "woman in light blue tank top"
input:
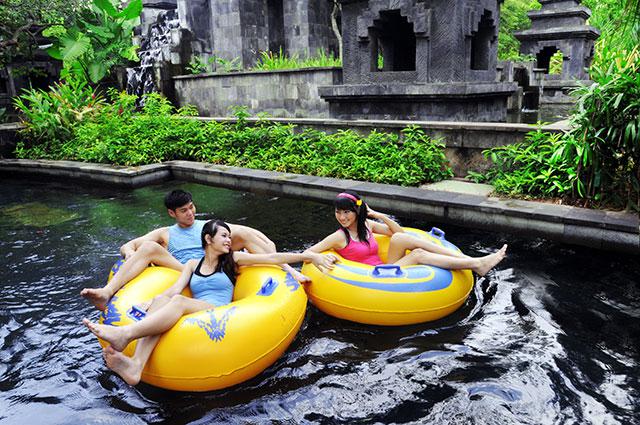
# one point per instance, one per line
(211, 280)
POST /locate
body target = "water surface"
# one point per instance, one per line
(550, 336)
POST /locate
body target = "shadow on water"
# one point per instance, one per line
(550, 336)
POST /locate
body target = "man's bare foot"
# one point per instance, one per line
(98, 297)
(299, 276)
(112, 334)
(126, 367)
(490, 261)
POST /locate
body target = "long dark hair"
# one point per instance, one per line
(349, 200)
(226, 263)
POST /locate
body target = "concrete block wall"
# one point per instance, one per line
(291, 93)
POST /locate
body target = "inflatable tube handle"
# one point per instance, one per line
(437, 233)
(268, 287)
(376, 269)
(136, 313)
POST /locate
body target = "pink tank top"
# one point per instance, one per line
(361, 252)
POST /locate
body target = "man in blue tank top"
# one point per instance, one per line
(173, 246)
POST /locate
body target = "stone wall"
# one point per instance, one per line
(290, 93)
(8, 138)
(243, 29)
(464, 141)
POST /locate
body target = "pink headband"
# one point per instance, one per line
(348, 196)
(357, 201)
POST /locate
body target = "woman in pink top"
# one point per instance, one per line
(354, 241)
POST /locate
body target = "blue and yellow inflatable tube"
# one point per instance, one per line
(223, 346)
(389, 294)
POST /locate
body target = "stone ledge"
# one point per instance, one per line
(99, 173)
(608, 230)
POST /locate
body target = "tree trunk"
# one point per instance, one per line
(337, 9)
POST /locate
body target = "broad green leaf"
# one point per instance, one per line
(107, 7)
(100, 30)
(132, 11)
(97, 71)
(73, 49)
(55, 53)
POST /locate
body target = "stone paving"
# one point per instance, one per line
(460, 203)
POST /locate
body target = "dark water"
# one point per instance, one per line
(551, 336)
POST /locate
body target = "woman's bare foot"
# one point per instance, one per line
(490, 261)
(126, 367)
(98, 297)
(113, 335)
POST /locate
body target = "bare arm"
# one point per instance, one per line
(160, 236)
(387, 227)
(334, 241)
(321, 261)
(183, 279)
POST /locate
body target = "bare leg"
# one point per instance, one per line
(157, 323)
(480, 265)
(403, 242)
(130, 368)
(149, 252)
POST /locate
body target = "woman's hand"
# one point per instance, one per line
(324, 262)
(374, 214)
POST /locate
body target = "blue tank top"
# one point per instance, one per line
(186, 243)
(215, 288)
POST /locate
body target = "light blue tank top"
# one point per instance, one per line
(186, 243)
(215, 288)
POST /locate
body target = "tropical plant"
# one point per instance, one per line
(513, 17)
(197, 65)
(598, 161)
(618, 22)
(119, 134)
(50, 116)
(607, 125)
(540, 166)
(269, 61)
(99, 39)
(22, 22)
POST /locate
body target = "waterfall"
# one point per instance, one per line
(154, 48)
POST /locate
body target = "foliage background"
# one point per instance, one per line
(115, 132)
(22, 21)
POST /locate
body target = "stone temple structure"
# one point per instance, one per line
(418, 59)
(560, 26)
(172, 32)
(243, 28)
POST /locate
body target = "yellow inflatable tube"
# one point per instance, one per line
(389, 294)
(221, 347)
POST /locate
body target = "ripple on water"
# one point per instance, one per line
(550, 336)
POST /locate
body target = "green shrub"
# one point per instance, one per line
(598, 161)
(198, 65)
(541, 166)
(118, 134)
(51, 116)
(269, 61)
(607, 126)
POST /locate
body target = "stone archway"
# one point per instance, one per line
(481, 42)
(392, 38)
